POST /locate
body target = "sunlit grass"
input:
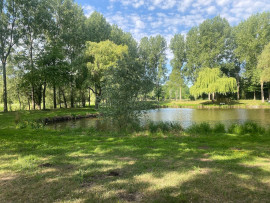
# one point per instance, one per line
(159, 163)
(68, 166)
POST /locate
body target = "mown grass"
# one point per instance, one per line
(162, 165)
(210, 104)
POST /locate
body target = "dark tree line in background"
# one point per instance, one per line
(52, 56)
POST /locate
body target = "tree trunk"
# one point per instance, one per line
(71, 94)
(83, 98)
(98, 99)
(5, 86)
(59, 97)
(33, 98)
(64, 97)
(213, 96)
(89, 98)
(254, 95)
(32, 70)
(54, 97)
(269, 94)
(238, 89)
(29, 105)
(44, 96)
(262, 93)
(19, 98)
(180, 94)
(209, 96)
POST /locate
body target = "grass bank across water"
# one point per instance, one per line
(250, 104)
(86, 165)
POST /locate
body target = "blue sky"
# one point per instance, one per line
(168, 17)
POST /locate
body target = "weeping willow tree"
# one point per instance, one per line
(211, 81)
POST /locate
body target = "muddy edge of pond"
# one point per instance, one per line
(67, 118)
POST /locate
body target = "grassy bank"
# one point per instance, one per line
(210, 104)
(85, 165)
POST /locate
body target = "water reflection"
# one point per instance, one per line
(185, 117)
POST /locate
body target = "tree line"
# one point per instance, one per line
(51, 53)
(216, 58)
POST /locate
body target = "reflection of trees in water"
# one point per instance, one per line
(185, 117)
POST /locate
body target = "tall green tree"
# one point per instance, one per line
(177, 46)
(36, 17)
(153, 56)
(264, 68)
(9, 36)
(207, 45)
(103, 55)
(98, 29)
(251, 36)
(72, 33)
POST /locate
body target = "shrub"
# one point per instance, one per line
(163, 127)
(246, 128)
(201, 128)
(219, 128)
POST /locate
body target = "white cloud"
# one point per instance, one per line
(88, 10)
(168, 17)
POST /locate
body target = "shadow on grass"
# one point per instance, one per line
(88, 166)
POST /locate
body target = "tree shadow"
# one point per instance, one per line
(95, 167)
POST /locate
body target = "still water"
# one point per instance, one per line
(185, 117)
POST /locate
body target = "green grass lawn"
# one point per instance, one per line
(85, 165)
(209, 104)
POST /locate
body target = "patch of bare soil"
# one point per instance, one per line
(130, 197)
(204, 147)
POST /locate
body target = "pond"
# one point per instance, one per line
(185, 117)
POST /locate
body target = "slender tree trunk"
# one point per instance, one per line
(44, 96)
(269, 94)
(238, 88)
(254, 95)
(89, 98)
(5, 86)
(209, 96)
(29, 105)
(32, 70)
(33, 98)
(96, 101)
(54, 97)
(19, 98)
(59, 96)
(71, 93)
(213, 96)
(64, 97)
(180, 93)
(262, 93)
(83, 98)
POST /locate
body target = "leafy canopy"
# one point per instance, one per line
(213, 81)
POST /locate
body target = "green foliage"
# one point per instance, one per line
(251, 36)
(219, 128)
(98, 29)
(206, 45)
(164, 127)
(246, 128)
(264, 64)
(200, 129)
(153, 58)
(212, 81)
